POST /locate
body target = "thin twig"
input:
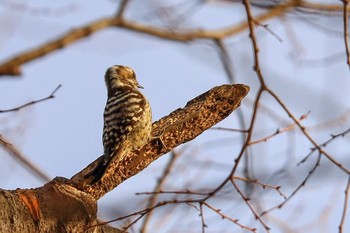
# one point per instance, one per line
(306, 134)
(346, 31)
(277, 188)
(51, 96)
(201, 214)
(146, 210)
(229, 129)
(122, 8)
(345, 206)
(251, 207)
(266, 26)
(257, 70)
(224, 216)
(333, 136)
(278, 131)
(311, 172)
(227, 64)
(185, 192)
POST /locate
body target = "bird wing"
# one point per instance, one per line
(121, 115)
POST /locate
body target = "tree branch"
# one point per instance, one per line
(346, 31)
(51, 96)
(180, 126)
(13, 65)
(64, 205)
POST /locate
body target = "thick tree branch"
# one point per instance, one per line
(64, 205)
(180, 126)
(55, 207)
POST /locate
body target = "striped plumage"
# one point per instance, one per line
(127, 116)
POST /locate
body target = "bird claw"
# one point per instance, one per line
(159, 142)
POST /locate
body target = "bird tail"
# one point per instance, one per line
(98, 172)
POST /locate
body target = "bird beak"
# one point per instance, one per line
(139, 86)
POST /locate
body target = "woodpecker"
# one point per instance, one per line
(127, 117)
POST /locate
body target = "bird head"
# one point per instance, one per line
(120, 76)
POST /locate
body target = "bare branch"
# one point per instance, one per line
(307, 135)
(13, 65)
(122, 8)
(266, 26)
(201, 214)
(277, 188)
(334, 136)
(311, 172)
(230, 130)
(278, 131)
(185, 192)
(345, 207)
(251, 207)
(325, 8)
(51, 96)
(346, 30)
(224, 216)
